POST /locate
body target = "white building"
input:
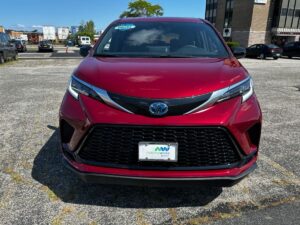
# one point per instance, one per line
(62, 33)
(49, 33)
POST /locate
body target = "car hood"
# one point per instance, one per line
(160, 78)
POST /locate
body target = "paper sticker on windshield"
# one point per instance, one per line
(123, 27)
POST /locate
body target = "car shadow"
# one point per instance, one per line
(266, 59)
(294, 58)
(48, 170)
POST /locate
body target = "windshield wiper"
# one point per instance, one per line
(143, 56)
(174, 56)
(107, 55)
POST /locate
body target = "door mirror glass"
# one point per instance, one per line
(84, 50)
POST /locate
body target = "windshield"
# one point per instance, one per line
(45, 42)
(273, 46)
(161, 39)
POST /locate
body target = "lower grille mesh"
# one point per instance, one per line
(197, 146)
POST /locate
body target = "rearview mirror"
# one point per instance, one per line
(238, 52)
(84, 50)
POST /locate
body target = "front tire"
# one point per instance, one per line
(15, 57)
(262, 56)
(1, 58)
(275, 57)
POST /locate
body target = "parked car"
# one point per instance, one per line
(20, 45)
(46, 45)
(262, 51)
(292, 49)
(160, 101)
(7, 48)
(84, 40)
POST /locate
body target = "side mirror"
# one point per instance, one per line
(84, 50)
(238, 52)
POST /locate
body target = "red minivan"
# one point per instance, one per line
(160, 101)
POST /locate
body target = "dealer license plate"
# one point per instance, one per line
(158, 151)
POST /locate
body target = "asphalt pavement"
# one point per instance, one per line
(35, 188)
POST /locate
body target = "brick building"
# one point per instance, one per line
(34, 37)
(255, 21)
(14, 34)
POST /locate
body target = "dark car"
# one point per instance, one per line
(292, 49)
(46, 45)
(160, 101)
(20, 45)
(262, 51)
(7, 48)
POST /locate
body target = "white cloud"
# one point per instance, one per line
(20, 25)
(144, 37)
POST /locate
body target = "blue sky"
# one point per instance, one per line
(32, 14)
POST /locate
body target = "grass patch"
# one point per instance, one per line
(16, 177)
(51, 195)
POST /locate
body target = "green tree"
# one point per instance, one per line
(142, 8)
(87, 29)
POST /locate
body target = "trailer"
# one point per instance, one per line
(62, 33)
(49, 33)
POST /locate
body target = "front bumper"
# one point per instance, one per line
(160, 181)
(275, 54)
(84, 114)
(45, 48)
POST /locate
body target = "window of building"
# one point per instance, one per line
(228, 13)
(211, 11)
(283, 11)
(290, 12)
(286, 14)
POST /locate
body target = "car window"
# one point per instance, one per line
(252, 47)
(7, 37)
(4, 38)
(273, 46)
(290, 44)
(157, 39)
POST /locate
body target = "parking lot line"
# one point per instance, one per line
(237, 209)
(284, 171)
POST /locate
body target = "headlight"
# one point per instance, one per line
(244, 89)
(77, 87)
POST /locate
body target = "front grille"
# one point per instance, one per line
(177, 106)
(115, 146)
